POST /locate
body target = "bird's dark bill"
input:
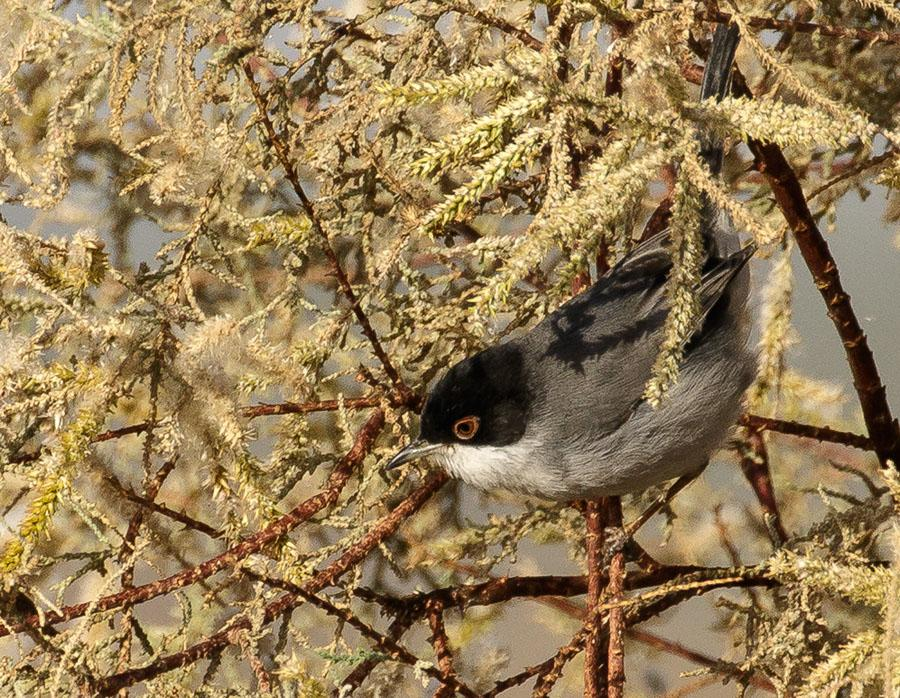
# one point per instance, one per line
(417, 449)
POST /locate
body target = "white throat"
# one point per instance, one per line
(519, 466)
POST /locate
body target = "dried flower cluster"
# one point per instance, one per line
(239, 239)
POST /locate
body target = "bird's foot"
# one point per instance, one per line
(615, 540)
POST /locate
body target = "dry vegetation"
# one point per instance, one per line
(239, 239)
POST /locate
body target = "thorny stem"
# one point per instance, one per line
(883, 428)
(551, 670)
(547, 672)
(807, 431)
(755, 465)
(406, 395)
(434, 610)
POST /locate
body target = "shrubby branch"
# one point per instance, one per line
(217, 213)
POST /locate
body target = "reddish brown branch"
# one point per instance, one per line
(547, 671)
(434, 611)
(501, 589)
(303, 511)
(615, 663)
(118, 433)
(163, 510)
(883, 428)
(327, 577)
(807, 28)
(595, 649)
(680, 650)
(550, 591)
(550, 671)
(406, 395)
(755, 466)
(350, 403)
(387, 644)
(807, 431)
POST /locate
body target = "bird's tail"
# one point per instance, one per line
(717, 228)
(716, 82)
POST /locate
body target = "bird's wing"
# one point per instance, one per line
(610, 335)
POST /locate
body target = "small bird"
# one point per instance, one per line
(558, 412)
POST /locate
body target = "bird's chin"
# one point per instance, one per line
(491, 467)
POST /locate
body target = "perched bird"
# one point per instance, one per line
(558, 412)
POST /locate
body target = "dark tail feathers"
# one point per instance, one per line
(716, 82)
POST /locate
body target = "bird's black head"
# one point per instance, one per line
(482, 400)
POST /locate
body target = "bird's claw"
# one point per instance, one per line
(615, 540)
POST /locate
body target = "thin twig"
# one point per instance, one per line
(404, 393)
(327, 577)
(732, 551)
(336, 481)
(807, 431)
(250, 412)
(680, 650)
(851, 172)
(162, 509)
(807, 27)
(492, 20)
(355, 678)
(755, 466)
(350, 403)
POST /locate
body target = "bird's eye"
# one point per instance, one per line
(466, 428)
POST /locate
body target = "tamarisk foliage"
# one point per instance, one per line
(239, 239)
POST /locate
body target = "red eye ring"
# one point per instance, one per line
(466, 428)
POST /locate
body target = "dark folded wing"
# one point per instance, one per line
(610, 335)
